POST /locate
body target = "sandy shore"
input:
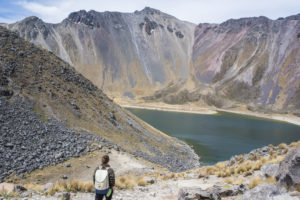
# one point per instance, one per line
(203, 111)
(210, 111)
(282, 118)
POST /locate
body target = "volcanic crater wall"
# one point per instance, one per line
(152, 56)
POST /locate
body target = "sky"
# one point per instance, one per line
(196, 11)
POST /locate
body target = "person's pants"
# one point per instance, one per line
(100, 196)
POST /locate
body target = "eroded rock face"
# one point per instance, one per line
(262, 192)
(248, 59)
(288, 174)
(269, 170)
(105, 46)
(251, 61)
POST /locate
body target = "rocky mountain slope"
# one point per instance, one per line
(50, 112)
(267, 173)
(149, 55)
(123, 53)
(254, 61)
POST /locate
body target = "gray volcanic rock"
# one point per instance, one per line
(251, 61)
(288, 174)
(196, 193)
(269, 170)
(214, 193)
(154, 56)
(106, 46)
(262, 192)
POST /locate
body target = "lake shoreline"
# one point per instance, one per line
(212, 111)
(171, 109)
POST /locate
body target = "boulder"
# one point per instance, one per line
(47, 187)
(26, 194)
(284, 197)
(63, 195)
(197, 194)
(225, 191)
(269, 170)
(261, 192)
(288, 174)
(68, 165)
(150, 180)
(19, 188)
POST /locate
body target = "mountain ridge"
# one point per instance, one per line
(150, 56)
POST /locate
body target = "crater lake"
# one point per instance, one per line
(218, 137)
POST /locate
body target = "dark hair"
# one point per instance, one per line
(105, 159)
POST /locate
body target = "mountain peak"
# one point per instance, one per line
(293, 17)
(149, 11)
(32, 20)
(84, 17)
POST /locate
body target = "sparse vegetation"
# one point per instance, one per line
(258, 180)
(247, 167)
(230, 180)
(34, 187)
(142, 182)
(73, 186)
(126, 182)
(282, 146)
(295, 144)
(6, 195)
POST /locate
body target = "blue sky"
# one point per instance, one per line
(196, 11)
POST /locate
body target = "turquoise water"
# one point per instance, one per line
(218, 137)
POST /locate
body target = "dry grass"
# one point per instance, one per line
(169, 176)
(142, 182)
(231, 180)
(275, 160)
(253, 156)
(297, 187)
(126, 182)
(73, 186)
(295, 144)
(34, 187)
(247, 167)
(258, 180)
(282, 146)
(6, 195)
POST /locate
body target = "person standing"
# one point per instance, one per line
(104, 180)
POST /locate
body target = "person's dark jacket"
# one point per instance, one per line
(111, 174)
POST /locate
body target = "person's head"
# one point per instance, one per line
(105, 159)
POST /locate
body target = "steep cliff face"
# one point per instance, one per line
(254, 61)
(149, 55)
(123, 53)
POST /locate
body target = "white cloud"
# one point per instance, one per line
(9, 20)
(212, 11)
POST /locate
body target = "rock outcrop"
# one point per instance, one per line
(214, 193)
(269, 170)
(288, 174)
(262, 192)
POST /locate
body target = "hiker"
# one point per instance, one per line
(104, 180)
